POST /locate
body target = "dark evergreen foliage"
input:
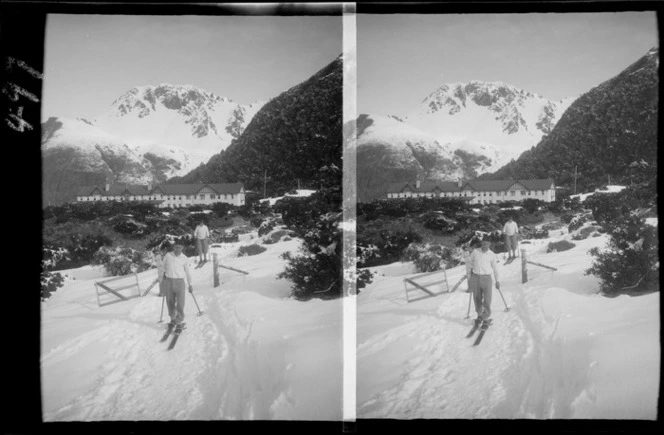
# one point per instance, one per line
(293, 137)
(609, 131)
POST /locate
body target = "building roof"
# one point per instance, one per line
(168, 189)
(192, 189)
(425, 186)
(476, 185)
(114, 190)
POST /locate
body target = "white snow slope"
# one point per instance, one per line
(562, 351)
(255, 353)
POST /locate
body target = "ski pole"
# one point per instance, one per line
(501, 295)
(162, 310)
(200, 313)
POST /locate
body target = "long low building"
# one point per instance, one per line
(167, 195)
(477, 191)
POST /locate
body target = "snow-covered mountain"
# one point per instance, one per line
(495, 119)
(466, 128)
(149, 133)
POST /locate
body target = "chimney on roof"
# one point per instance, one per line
(149, 185)
(418, 181)
(459, 182)
(107, 187)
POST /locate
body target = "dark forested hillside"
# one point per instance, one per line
(611, 131)
(293, 137)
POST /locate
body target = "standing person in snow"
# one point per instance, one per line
(201, 233)
(510, 230)
(176, 268)
(482, 261)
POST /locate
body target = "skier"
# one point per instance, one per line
(510, 230)
(201, 233)
(482, 261)
(176, 268)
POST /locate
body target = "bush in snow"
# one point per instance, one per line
(222, 209)
(167, 240)
(428, 257)
(532, 205)
(266, 226)
(387, 239)
(217, 236)
(274, 237)
(584, 232)
(560, 246)
(250, 250)
(51, 281)
(122, 261)
(83, 246)
(318, 271)
(630, 262)
(474, 237)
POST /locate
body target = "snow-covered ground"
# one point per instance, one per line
(609, 189)
(255, 353)
(298, 193)
(562, 351)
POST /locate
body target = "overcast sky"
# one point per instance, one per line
(90, 60)
(403, 58)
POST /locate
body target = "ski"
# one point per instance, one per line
(176, 335)
(485, 326)
(167, 333)
(200, 264)
(509, 260)
(475, 328)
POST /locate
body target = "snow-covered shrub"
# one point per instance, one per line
(274, 237)
(218, 236)
(83, 246)
(368, 254)
(630, 262)
(51, 281)
(167, 240)
(428, 257)
(562, 245)
(266, 226)
(318, 271)
(584, 232)
(532, 205)
(247, 250)
(222, 209)
(389, 237)
(527, 232)
(130, 227)
(578, 221)
(475, 237)
(122, 261)
(438, 221)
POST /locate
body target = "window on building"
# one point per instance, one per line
(523, 192)
(201, 196)
(512, 193)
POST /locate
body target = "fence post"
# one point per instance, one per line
(215, 270)
(138, 286)
(524, 269)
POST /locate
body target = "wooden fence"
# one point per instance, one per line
(116, 290)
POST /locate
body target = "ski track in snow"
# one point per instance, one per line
(521, 369)
(215, 371)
